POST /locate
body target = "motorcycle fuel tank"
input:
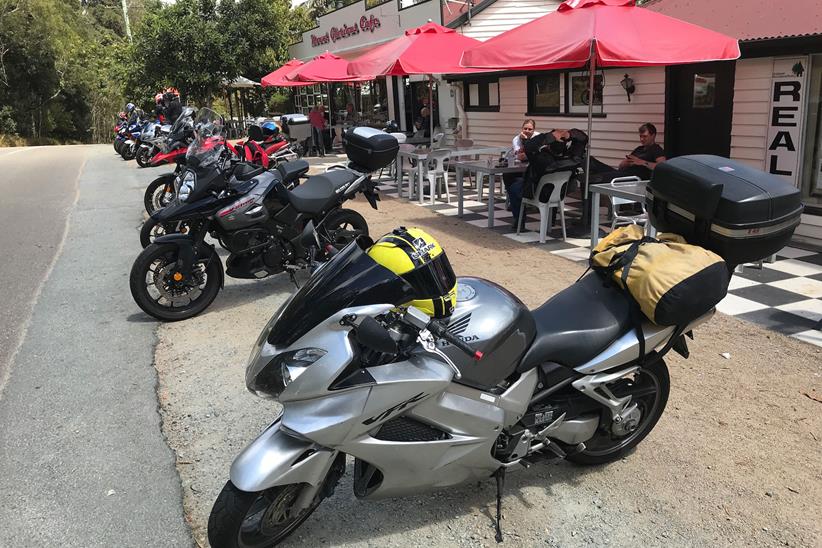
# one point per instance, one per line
(248, 209)
(494, 321)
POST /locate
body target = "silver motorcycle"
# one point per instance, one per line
(423, 404)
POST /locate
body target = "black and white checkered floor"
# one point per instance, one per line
(784, 296)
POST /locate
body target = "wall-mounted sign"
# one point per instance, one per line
(365, 24)
(786, 115)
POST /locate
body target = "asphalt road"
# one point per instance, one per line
(82, 458)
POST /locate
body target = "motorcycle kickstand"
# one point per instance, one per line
(500, 477)
(293, 278)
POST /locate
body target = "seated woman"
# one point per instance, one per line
(514, 181)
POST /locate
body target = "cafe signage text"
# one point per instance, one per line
(365, 24)
(785, 118)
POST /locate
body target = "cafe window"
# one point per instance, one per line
(543, 94)
(374, 3)
(579, 93)
(482, 96)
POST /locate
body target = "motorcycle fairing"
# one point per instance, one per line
(349, 279)
(277, 458)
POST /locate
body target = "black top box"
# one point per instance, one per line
(370, 149)
(741, 213)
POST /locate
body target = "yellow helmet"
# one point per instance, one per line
(415, 256)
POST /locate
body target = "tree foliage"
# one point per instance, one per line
(67, 67)
(198, 45)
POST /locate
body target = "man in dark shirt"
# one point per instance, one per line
(640, 162)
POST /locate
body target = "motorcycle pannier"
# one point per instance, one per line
(673, 282)
(741, 213)
(369, 148)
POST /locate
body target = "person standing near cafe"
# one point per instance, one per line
(317, 120)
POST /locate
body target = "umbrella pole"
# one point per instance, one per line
(592, 64)
(431, 110)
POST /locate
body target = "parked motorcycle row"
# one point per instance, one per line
(426, 379)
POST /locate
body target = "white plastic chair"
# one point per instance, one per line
(409, 168)
(438, 170)
(640, 219)
(400, 137)
(558, 182)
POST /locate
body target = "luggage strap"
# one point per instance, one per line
(624, 261)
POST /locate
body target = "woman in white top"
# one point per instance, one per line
(515, 181)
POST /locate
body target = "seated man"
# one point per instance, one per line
(640, 162)
(423, 122)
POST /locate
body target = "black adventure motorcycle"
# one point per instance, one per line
(253, 215)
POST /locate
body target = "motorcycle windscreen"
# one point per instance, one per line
(351, 278)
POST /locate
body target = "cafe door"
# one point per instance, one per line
(699, 109)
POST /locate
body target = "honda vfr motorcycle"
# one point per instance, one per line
(423, 404)
(254, 216)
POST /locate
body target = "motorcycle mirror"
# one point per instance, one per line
(308, 237)
(373, 335)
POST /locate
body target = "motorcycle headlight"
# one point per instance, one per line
(268, 376)
(187, 186)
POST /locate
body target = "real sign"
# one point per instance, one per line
(785, 117)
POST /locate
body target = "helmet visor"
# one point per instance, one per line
(433, 279)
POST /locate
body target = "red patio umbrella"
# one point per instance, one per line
(608, 33)
(277, 78)
(325, 67)
(428, 49)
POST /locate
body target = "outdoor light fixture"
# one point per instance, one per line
(627, 84)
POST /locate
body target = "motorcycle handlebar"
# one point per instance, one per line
(440, 331)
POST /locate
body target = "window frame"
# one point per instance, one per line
(543, 111)
(570, 108)
(488, 107)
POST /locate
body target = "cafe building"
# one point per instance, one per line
(352, 30)
(764, 110)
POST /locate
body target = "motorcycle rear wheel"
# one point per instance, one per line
(159, 193)
(650, 388)
(154, 269)
(240, 519)
(343, 226)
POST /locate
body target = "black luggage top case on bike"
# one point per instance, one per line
(740, 213)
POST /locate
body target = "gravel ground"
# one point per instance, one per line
(734, 461)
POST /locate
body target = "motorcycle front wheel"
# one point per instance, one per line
(128, 152)
(343, 226)
(143, 156)
(159, 289)
(159, 193)
(152, 230)
(240, 519)
(649, 389)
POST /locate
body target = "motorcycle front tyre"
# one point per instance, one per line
(143, 157)
(240, 519)
(159, 255)
(651, 393)
(155, 190)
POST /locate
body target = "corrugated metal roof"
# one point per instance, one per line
(748, 19)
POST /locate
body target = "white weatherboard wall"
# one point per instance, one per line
(749, 129)
(504, 15)
(612, 136)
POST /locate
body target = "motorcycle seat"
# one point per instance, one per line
(578, 323)
(317, 193)
(291, 171)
